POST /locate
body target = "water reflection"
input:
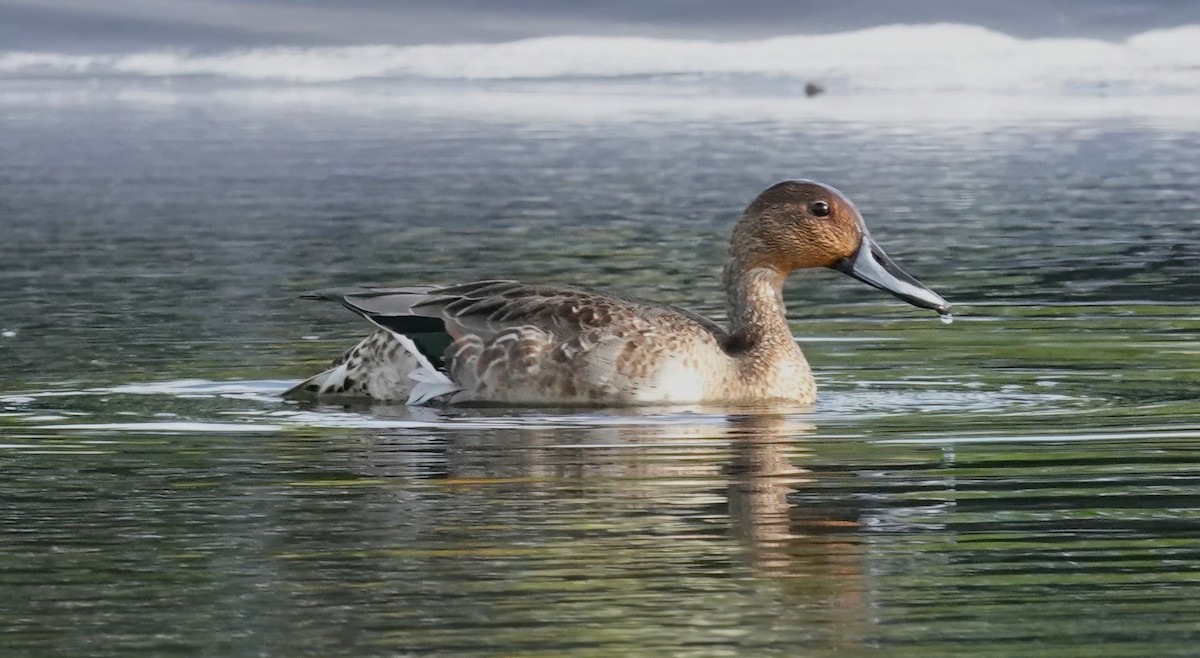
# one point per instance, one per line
(652, 493)
(812, 552)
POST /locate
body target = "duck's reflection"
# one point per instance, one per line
(818, 549)
(761, 475)
(696, 469)
(653, 520)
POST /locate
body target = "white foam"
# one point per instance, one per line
(910, 58)
(197, 388)
(165, 427)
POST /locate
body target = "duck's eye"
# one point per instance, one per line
(819, 208)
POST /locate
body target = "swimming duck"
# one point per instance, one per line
(514, 343)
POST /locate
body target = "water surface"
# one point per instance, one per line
(1023, 481)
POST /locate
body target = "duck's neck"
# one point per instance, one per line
(756, 312)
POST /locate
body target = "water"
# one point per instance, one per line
(1023, 481)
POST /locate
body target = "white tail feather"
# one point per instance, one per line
(320, 383)
(430, 385)
(333, 379)
(430, 382)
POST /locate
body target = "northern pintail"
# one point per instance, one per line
(514, 343)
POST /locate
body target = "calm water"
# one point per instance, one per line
(1025, 481)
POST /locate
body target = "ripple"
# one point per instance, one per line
(1130, 434)
(878, 403)
(255, 406)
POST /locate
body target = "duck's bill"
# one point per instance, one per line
(871, 266)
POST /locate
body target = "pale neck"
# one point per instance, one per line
(755, 298)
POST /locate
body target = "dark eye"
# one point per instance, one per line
(819, 208)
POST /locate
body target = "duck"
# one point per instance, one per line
(512, 343)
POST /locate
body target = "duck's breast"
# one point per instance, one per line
(781, 374)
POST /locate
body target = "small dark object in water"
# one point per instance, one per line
(813, 89)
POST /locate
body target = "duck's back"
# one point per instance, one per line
(512, 343)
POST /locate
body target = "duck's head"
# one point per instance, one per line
(800, 224)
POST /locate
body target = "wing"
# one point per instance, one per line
(485, 308)
(378, 304)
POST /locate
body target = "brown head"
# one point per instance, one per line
(800, 224)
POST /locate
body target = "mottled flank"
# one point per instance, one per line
(535, 344)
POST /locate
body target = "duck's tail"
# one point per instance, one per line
(429, 383)
(385, 366)
(329, 382)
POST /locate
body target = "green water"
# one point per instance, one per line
(1024, 481)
